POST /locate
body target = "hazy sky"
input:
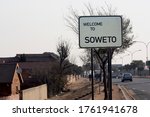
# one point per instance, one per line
(35, 26)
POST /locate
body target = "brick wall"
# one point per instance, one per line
(15, 86)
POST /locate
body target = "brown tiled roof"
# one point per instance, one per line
(35, 66)
(9, 60)
(6, 72)
(39, 57)
(45, 57)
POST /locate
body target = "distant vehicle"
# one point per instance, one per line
(120, 76)
(97, 76)
(126, 77)
(114, 76)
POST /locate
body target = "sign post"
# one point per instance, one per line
(109, 74)
(92, 79)
(100, 32)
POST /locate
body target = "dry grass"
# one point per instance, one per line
(99, 93)
(116, 93)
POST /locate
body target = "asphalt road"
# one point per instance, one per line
(140, 86)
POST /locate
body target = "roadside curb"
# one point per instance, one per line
(126, 93)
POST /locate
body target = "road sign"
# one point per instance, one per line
(100, 31)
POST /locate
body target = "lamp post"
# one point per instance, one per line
(122, 61)
(146, 45)
(131, 53)
(123, 57)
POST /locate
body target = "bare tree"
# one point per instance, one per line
(63, 49)
(101, 53)
(85, 58)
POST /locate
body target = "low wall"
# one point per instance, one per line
(11, 97)
(35, 93)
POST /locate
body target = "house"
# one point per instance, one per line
(32, 64)
(44, 57)
(9, 60)
(10, 79)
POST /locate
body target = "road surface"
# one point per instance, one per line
(140, 87)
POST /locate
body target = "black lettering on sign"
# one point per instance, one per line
(114, 39)
(102, 39)
(93, 24)
(87, 40)
(92, 39)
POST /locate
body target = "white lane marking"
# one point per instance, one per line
(135, 89)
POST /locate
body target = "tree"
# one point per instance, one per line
(101, 53)
(86, 57)
(127, 67)
(63, 49)
(139, 65)
(76, 70)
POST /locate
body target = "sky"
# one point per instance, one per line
(36, 26)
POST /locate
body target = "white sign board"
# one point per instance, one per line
(100, 31)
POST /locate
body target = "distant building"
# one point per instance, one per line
(10, 79)
(117, 65)
(31, 63)
(45, 57)
(9, 60)
(116, 69)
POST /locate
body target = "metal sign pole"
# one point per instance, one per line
(92, 84)
(109, 74)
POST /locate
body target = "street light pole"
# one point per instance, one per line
(123, 57)
(147, 50)
(122, 61)
(146, 45)
(132, 53)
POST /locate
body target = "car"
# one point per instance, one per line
(126, 77)
(114, 76)
(120, 76)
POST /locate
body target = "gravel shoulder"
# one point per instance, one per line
(80, 84)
